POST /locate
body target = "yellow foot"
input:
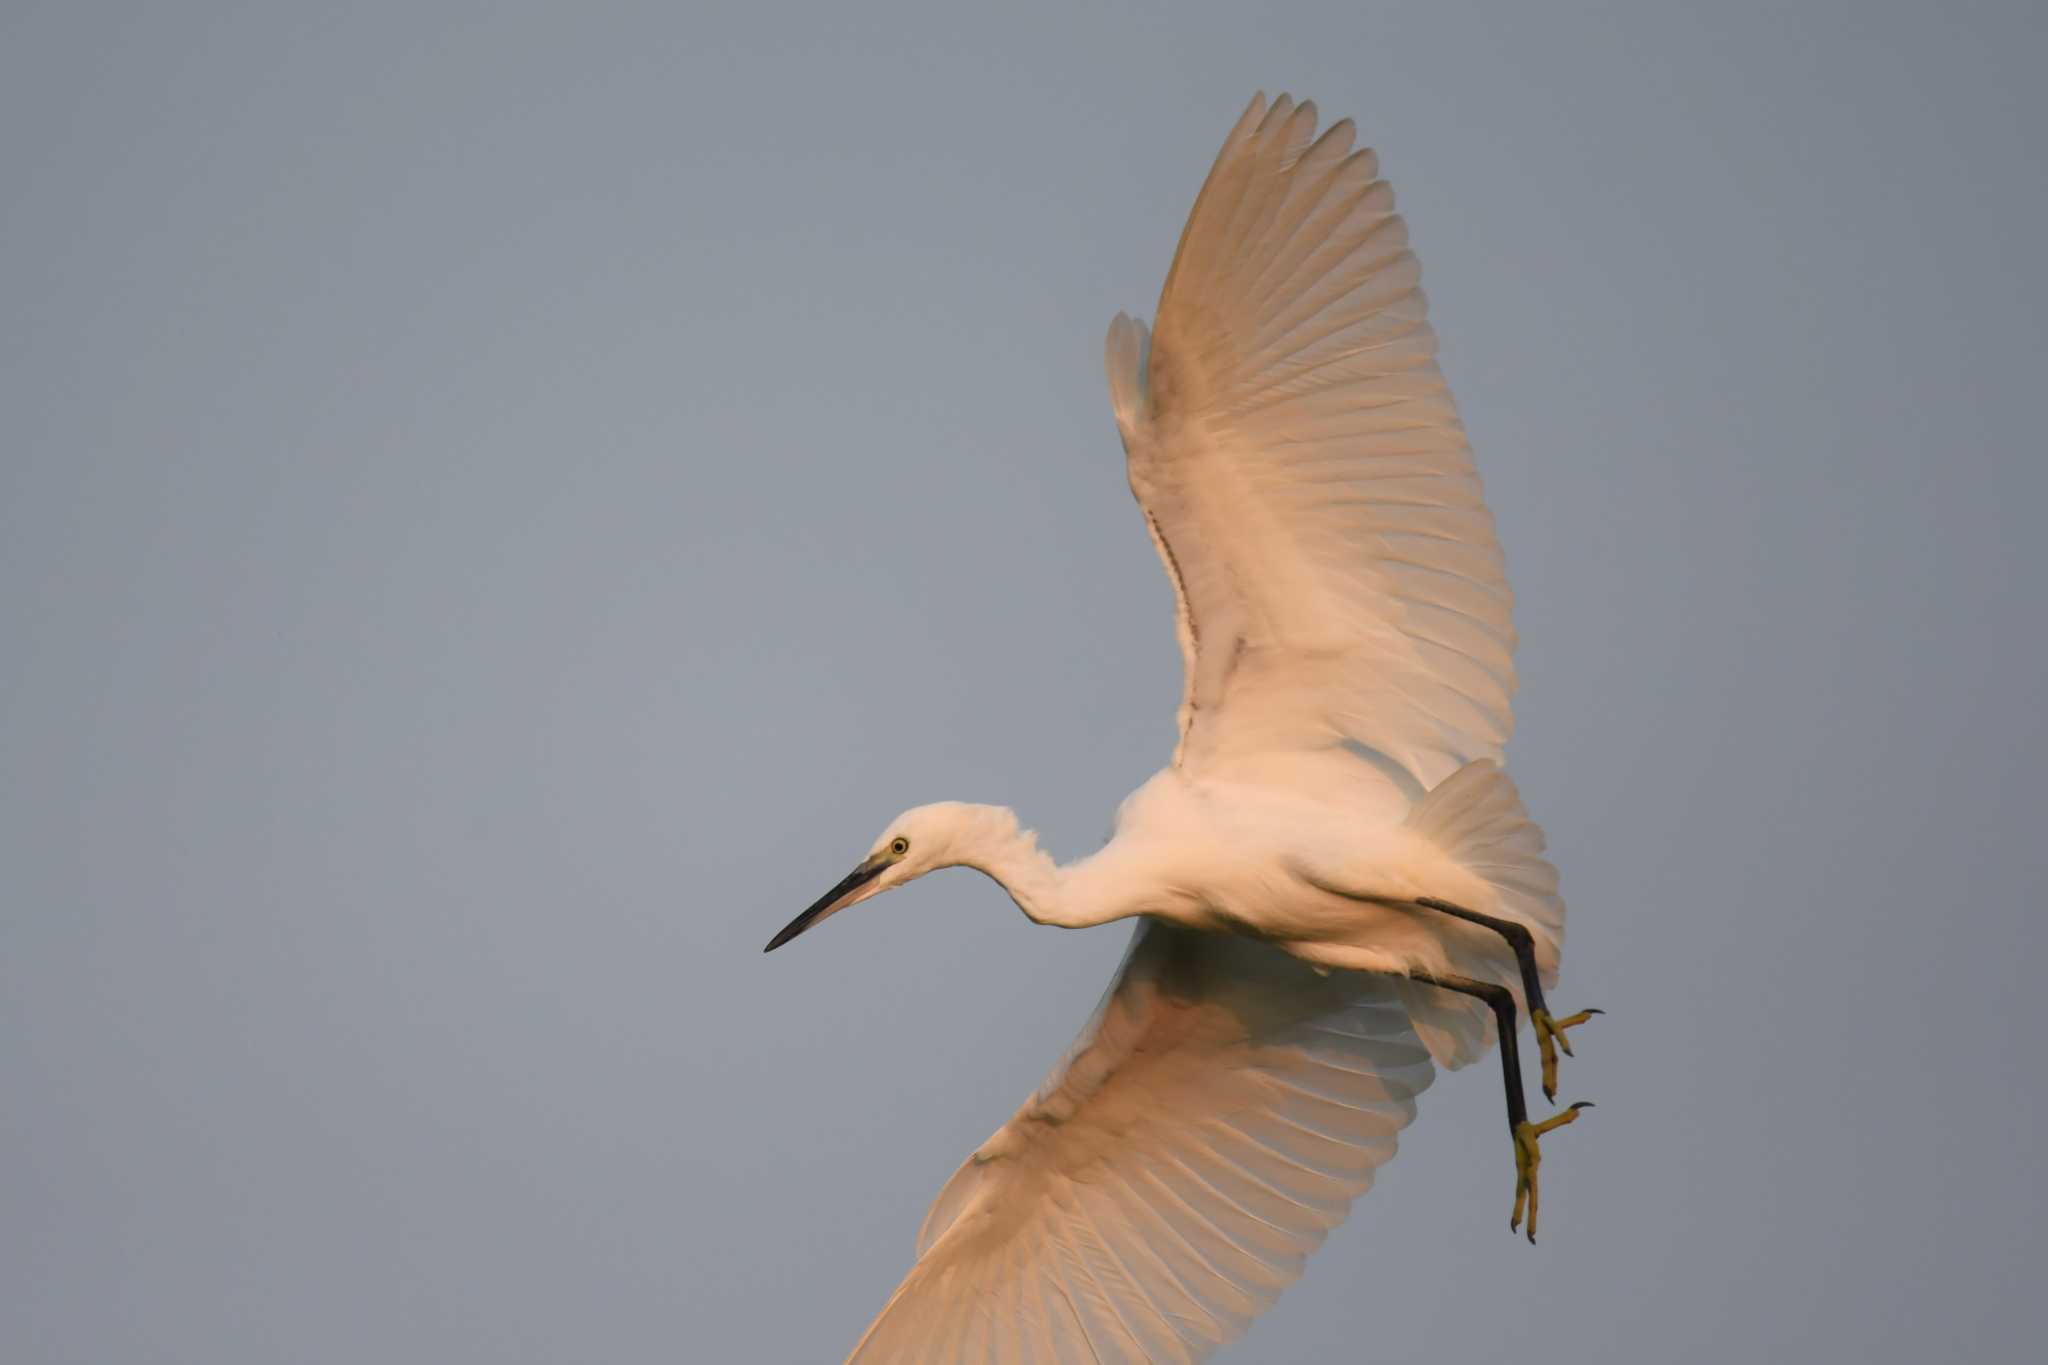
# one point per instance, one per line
(1549, 1038)
(1528, 1156)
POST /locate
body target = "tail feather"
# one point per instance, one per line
(1476, 817)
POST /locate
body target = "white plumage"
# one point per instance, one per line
(1346, 629)
(1213, 1122)
(1304, 472)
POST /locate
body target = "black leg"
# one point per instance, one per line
(1502, 1002)
(1527, 1153)
(1514, 931)
(1549, 1031)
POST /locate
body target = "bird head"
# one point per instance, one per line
(922, 839)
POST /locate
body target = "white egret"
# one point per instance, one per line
(1334, 881)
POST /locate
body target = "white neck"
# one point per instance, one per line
(1042, 889)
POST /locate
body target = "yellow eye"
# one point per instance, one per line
(899, 846)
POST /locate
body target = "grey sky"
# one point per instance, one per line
(499, 505)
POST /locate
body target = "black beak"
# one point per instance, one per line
(853, 881)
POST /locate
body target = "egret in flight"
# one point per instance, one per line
(1335, 884)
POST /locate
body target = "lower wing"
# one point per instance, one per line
(1209, 1127)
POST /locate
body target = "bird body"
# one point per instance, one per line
(1334, 883)
(1329, 878)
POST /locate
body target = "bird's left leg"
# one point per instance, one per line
(1527, 1153)
(1549, 1031)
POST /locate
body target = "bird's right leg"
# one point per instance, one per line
(1549, 1031)
(1527, 1153)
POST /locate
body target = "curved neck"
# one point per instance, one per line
(1046, 892)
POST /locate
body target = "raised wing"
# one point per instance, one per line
(1304, 474)
(1211, 1124)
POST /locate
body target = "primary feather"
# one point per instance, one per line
(1212, 1123)
(1304, 474)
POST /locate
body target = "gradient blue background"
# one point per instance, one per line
(499, 504)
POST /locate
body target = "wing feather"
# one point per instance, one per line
(1304, 474)
(1210, 1126)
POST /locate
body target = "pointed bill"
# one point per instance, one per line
(833, 901)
